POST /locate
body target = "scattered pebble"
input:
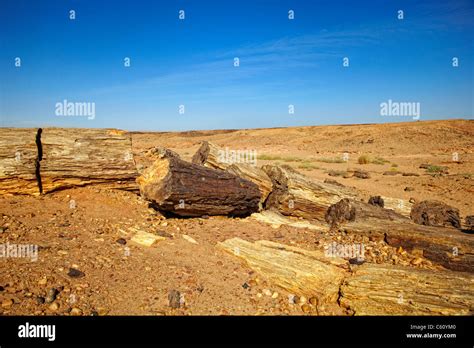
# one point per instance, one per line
(75, 311)
(164, 234)
(7, 303)
(416, 261)
(51, 296)
(306, 308)
(75, 273)
(121, 241)
(54, 306)
(174, 297)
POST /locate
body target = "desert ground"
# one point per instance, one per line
(119, 277)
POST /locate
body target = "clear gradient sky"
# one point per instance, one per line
(191, 62)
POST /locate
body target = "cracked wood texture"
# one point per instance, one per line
(187, 189)
(208, 156)
(299, 271)
(296, 195)
(71, 157)
(18, 155)
(369, 289)
(347, 210)
(447, 247)
(397, 290)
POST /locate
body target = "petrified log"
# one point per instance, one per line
(448, 247)
(296, 195)
(34, 162)
(275, 219)
(188, 189)
(434, 213)
(209, 156)
(301, 272)
(18, 154)
(469, 222)
(396, 290)
(347, 210)
(255, 175)
(212, 156)
(376, 200)
(401, 206)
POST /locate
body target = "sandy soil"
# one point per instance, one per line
(89, 235)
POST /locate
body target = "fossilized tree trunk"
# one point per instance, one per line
(396, 290)
(368, 289)
(296, 195)
(212, 156)
(347, 210)
(299, 271)
(33, 162)
(448, 247)
(188, 189)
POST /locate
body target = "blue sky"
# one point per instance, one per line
(191, 62)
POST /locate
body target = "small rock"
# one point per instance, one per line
(302, 300)
(54, 306)
(376, 200)
(267, 292)
(51, 296)
(75, 273)
(252, 282)
(174, 297)
(75, 311)
(314, 301)
(306, 308)
(469, 220)
(40, 300)
(361, 174)
(7, 303)
(165, 234)
(412, 200)
(410, 174)
(416, 261)
(245, 286)
(434, 213)
(409, 189)
(42, 281)
(102, 311)
(121, 241)
(275, 295)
